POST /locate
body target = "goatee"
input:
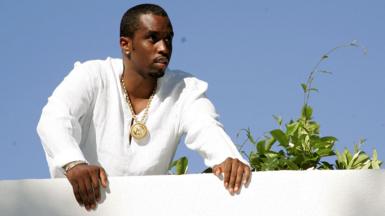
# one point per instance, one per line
(157, 74)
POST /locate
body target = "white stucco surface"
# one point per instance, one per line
(289, 193)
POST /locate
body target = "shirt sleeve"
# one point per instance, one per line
(59, 128)
(204, 133)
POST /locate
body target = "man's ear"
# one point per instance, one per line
(126, 45)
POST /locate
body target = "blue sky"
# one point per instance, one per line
(253, 54)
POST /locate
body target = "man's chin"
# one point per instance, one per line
(157, 74)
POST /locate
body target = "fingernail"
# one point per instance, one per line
(231, 190)
(236, 189)
(226, 184)
(244, 182)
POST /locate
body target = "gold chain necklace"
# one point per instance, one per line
(138, 129)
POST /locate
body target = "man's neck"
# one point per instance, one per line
(137, 86)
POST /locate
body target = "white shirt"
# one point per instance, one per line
(87, 118)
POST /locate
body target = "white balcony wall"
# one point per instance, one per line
(289, 193)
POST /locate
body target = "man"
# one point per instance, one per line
(127, 116)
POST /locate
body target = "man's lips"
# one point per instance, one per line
(161, 60)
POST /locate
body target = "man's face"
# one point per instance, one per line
(152, 45)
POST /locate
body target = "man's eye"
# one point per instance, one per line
(168, 39)
(153, 38)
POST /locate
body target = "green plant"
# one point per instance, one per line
(358, 160)
(180, 165)
(299, 144)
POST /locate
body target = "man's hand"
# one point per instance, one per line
(235, 172)
(85, 183)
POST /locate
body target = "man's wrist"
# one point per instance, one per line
(72, 164)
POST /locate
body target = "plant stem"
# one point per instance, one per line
(325, 56)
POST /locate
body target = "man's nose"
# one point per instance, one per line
(164, 47)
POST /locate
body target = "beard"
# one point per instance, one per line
(156, 73)
(152, 72)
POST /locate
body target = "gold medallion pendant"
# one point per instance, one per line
(138, 130)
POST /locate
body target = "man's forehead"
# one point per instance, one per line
(155, 23)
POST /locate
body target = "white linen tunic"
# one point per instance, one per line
(87, 118)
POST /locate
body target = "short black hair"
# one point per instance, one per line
(130, 19)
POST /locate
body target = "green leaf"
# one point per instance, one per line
(328, 139)
(181, 165)
(292, 128)
(250, 136)
(254, 158)
(375, 164)
(261, 147)
(280, 136)
(307, 112)
(292, 165)
(359, 144)
(362, 158)
(272, 155)
(326, 166)
(325, 72)
(339, 161)
(352, 162)
(270, 143)
(356, 148)
(344, 158)
(312, 127)
(313, 89)
(304, 87)
(374, 157)
(278, 119)
(325, 152)
(348, 155)
(366, 166)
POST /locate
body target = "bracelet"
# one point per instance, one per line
(72, 164)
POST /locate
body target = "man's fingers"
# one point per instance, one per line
(238, 180)
(234, 169)
(85, 180)
(95, 185)
(227, 173)
(75, 188)
(246, 175)
(83, 193)
(103, 177)
(235, 173)
(217, 170)
(89, 191)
